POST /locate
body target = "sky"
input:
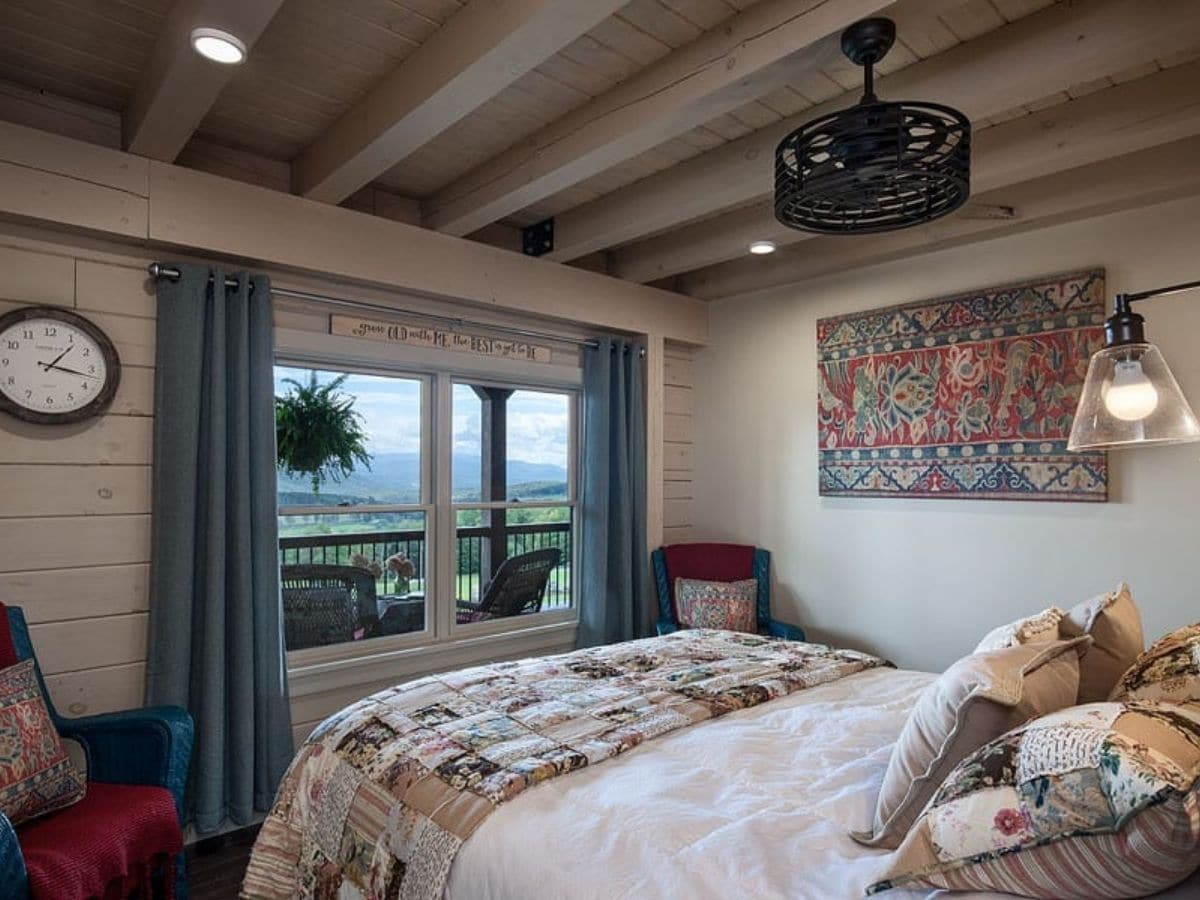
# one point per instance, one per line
(538, 422)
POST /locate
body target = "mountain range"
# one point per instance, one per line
(396, 477)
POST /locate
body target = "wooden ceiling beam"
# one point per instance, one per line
(55, 182)
(483, 49)
(1125, 182)
(726, 67)
(1025, 61)
(179, 86)
(1136, 115)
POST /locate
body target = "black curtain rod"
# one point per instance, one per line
(158, 270)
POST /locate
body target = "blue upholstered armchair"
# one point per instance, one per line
(717, 562)
(139, 747)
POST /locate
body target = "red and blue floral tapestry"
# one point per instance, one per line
(969, 396)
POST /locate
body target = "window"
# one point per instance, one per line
(513, 500)
(437, 526)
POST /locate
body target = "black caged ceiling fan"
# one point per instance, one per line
(877, 166)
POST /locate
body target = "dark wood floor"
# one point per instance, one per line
(216, 865)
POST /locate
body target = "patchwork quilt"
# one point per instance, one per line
(380, 798)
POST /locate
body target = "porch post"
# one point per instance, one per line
(493, 434)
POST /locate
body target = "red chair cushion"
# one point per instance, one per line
(106, 845)
(8, 650)
(707, 562)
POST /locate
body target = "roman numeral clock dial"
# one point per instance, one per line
(56, 367)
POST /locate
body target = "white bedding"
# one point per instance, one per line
(755, 804)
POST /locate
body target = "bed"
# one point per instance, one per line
(755, 803)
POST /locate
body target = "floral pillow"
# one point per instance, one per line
(1097, 801)
(728, 605)
(36, 775)
(1169, 670)
(1041, 628)
(977, 699)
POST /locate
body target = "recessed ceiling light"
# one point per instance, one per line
(217, 45)
(762, 248)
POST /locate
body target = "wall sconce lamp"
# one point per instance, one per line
(1130, 398)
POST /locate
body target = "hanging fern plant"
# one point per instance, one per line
(317, 432)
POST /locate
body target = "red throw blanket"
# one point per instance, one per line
(109, 844)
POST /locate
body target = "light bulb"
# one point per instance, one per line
(762, 248)
(1131, 397)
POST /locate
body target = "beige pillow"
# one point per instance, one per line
(1115, 625)
(1037, 629)
(976, 700)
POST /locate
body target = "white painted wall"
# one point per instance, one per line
(919, 581)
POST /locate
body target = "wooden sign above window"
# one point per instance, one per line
(425, 336)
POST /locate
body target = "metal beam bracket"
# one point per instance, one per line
(538, 239)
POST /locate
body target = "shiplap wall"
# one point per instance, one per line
(75, 500)
(677, 444)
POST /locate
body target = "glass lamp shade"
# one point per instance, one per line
(1130, 398)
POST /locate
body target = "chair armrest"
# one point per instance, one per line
(783, 630)
(665, 627)
(14, 882)
(141, 746)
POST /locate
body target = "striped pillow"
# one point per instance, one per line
(1094, 802)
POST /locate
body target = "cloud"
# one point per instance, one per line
(538, 421)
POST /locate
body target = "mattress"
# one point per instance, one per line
(754, 804)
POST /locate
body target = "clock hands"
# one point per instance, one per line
(71, 371)
(54, 364)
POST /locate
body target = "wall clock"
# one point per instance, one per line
(56, 367)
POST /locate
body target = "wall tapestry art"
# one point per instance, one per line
(969, 396)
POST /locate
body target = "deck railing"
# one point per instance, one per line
(336, 550)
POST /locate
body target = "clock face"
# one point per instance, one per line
(55, 366)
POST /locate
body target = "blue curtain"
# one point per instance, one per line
(614, 604)
(216, 640)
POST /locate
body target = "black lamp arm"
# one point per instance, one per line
(1158, 292)
(1125, 326)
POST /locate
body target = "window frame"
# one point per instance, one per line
(574, 397)
(439, 370)
(335, 652)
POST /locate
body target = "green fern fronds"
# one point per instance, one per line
(317, 432)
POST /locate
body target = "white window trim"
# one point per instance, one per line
(442, 635)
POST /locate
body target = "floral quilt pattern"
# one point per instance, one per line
(379, 799)
(1168, 671)
(969, 396)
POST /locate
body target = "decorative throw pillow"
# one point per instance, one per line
(1038, 629)
(1115, 624)
(729, 605)
(36, 776)
(1169, 670)
(977, 699)
(1096, 801)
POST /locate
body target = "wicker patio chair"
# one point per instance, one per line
(518, 587)
(325, 605)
